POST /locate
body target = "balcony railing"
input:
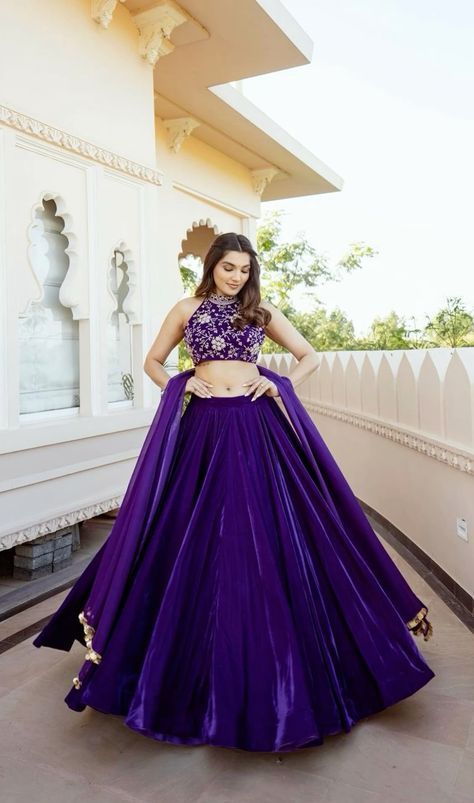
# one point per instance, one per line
(400, 425)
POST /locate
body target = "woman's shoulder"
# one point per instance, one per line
(264, 304)
(188, 307)
(190, 303)
(268, 307)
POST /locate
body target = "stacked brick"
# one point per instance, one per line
(46, 554)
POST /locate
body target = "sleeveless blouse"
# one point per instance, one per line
(209, 334)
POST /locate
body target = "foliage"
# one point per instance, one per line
(387, 333)
(290, 266)
(286, 266)
(452, 326)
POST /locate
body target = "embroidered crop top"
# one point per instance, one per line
(209, 334)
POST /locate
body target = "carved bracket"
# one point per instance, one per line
(179, 128)
(262, 177)
(102, 11)
(155, 27)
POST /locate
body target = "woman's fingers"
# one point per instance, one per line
(203, 388)
(252, 384)
(200, 388)
(260, 386)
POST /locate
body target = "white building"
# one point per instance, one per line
(125, 143)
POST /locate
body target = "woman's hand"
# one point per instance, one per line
(261, 385)
(198, 386)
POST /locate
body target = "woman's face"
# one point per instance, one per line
(231, 272)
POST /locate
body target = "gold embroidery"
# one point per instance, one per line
(91, 654)
(420, 625)
(419, 616)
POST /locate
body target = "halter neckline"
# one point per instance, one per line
(222, 300)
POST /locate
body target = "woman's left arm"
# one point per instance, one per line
(282, 331)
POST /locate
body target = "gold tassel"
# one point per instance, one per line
(420, 625)
(91, 654)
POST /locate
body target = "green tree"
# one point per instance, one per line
(452, 326)
(326, 330)
(287, 266)
(388, 333)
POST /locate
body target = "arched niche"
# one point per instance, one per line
(48, 333)
(71, 293)
(198, 239)
(193, 249)
(121, 314)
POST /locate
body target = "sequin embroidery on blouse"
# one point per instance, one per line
(209, 334)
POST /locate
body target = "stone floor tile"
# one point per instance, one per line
(48, 606)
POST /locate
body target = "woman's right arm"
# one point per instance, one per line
(170, 334)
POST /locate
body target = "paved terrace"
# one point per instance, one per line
(408, 414)
(420, 750)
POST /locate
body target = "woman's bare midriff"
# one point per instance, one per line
(227, 376)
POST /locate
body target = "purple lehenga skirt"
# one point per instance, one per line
(248, 617)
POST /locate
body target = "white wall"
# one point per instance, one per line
(400, 425)
(200, 186)
(61, 67)
(65, 71)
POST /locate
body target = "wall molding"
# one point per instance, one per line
(430, 447)
(70, 142)
(58, 522)
(209, 199)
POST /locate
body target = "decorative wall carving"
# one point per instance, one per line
(70, 293)
(204, 222)
(47, 133)
(262, 177)
(155, 27)
(122, 311)
(51, 525)
(179, 128)
(131, 305)
(198, 238)
(459, 460)
(102, 11)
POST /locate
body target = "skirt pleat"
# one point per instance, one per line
(250, 619)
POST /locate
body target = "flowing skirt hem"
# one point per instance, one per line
(313, 740)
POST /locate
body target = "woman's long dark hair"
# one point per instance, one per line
(249, 295)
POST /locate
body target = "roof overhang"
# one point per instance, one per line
(222, 42)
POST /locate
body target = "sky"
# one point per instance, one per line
(388, 103)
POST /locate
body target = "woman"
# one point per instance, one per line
(242, 598)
